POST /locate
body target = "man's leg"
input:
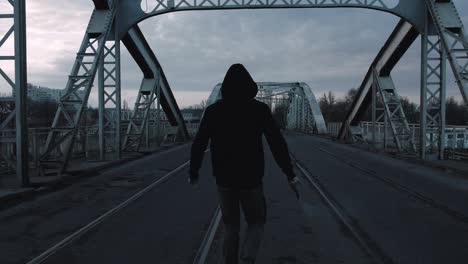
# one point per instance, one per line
(254, 208)
(230, 210)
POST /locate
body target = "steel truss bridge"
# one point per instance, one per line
(302, 110)
(116, 21)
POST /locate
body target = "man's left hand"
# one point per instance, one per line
(294, 184)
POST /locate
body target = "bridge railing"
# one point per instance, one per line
(86, 146)
(456, 136)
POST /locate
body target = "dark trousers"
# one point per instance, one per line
(252, 202)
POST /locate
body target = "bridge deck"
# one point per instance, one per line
(397, 211)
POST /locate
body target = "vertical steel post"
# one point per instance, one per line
(118, 88)
(147, 135)
(35, 151)
(298, 113)
(158, 116)
(385, 129)
(21, 93)
(433, 91)
(110, 106)
(101, 105)
(443, 95)
(374, 112)
(303, 117)
(423, 99)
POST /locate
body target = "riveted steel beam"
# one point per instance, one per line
(136, 11)
(141, 52)
(451, 31)
(395, 47)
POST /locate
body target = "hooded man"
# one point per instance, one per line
(234, 126)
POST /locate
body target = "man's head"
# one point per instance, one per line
(238, 84)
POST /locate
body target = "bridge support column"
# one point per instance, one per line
(17, 118)
(110, 97)
(139, 120)
(433, 93)
(21, 93)
(374, 113)
(387, 106)
(67, 120)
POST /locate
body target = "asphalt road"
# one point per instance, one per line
(416, 218)
(405, 228)
(167, 225)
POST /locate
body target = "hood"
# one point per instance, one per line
(238, 84)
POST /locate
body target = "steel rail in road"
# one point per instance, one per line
(406, 190)
(205, 246)
(85, 229)
(364, 240)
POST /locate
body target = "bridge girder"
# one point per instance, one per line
(303, 109)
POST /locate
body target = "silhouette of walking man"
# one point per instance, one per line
(235, 125)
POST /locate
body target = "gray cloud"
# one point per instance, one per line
(331, 49)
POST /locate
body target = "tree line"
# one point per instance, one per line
(42, 113)
(334, 109)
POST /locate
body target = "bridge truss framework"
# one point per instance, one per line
(436, 21)
(18, 83)
(303, 112)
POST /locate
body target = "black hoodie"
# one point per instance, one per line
(235, 125)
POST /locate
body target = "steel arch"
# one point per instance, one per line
(131, 11)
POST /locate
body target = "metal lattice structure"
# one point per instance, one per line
(67, 119)
(100, 53)
(140, 116)
(137, 11)
(453, 40)
(112, 21)
(303, 111)
(18, 83)
(387, 107)
(155, 87)
(433, 78)
(442, 37)
(110, 97)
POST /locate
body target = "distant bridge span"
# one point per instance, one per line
(303, 111)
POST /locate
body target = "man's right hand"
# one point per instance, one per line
(294, 184)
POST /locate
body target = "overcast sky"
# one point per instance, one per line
(330, 49)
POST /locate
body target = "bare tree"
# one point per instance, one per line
(125, 105)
